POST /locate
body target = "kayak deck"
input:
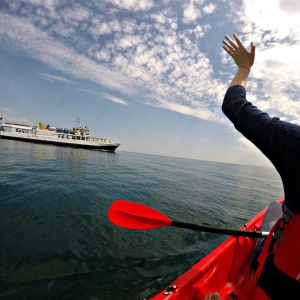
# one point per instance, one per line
(226, 269)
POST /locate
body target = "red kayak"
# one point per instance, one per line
(226, 270)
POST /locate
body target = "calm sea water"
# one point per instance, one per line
(56, 241)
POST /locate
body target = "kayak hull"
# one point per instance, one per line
(226, 269)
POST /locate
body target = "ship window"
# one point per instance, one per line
(8, 129)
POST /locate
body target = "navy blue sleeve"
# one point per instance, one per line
(279, 141)
(255, 125)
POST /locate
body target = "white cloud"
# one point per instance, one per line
(102, 55)
(191, 13)
(45, 3)
(165, 51)
(21, 34)
(77, 14)
(99, 28)
(134, 5)
(114, 99)
(275, 31)
(56, 78)
(209, 9)
(63, 29)
(149, 52)
(199, 112)
(289, 6)
(159, 18)
(104, 95)
(87, 91)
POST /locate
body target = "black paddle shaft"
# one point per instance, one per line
(248, 233)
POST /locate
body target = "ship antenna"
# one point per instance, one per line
(78, 125)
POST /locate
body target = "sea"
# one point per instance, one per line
(56, 241)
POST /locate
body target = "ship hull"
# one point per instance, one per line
(107, 148)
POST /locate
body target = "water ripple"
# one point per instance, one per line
(57, 242)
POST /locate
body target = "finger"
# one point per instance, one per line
(228, 51)
(232, 44)
(238, 41)
(252, 51)
(229, 47)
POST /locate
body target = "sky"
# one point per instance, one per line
(149, 74)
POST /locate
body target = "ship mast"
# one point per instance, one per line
(78, 124)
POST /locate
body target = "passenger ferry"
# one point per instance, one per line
(78, 137)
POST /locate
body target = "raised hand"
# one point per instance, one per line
(241, 56)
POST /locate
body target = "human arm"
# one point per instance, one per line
(242, 57)
(252, 123)
(278, 140)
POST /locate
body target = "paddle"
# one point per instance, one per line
(137, 216)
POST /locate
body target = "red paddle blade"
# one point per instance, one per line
(133, 215)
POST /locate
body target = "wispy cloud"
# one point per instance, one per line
(166, 51)
(114, 99)
(21, 33)
(87, 91)
(56, 78)
(104, 95)
(151, 53)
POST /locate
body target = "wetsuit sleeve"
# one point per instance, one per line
(255, 125)
(278, 140)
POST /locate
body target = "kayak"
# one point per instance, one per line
(225, 270)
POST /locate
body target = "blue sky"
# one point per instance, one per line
(149, 74)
